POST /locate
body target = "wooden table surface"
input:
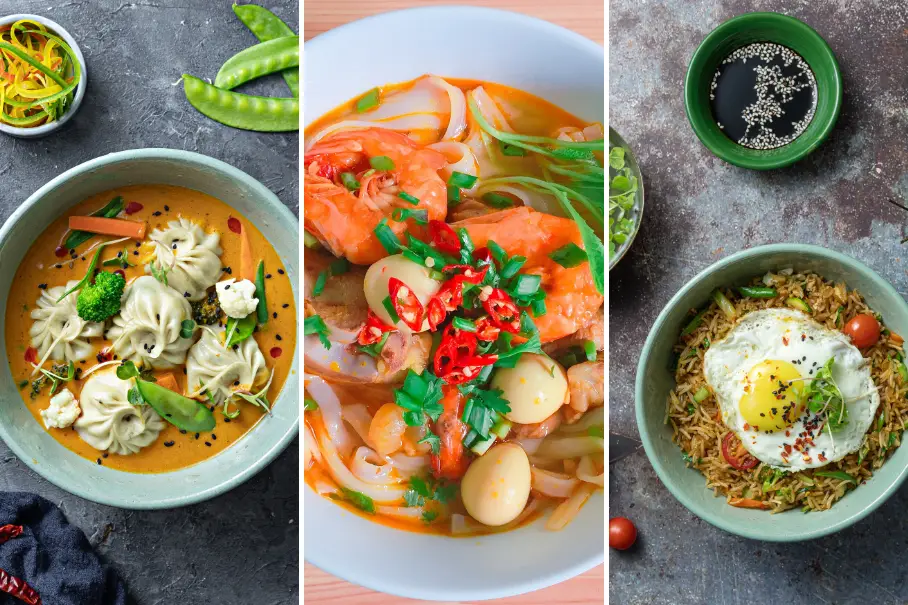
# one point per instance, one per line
(586, 17)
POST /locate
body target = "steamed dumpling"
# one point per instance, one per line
(109, 422)
(147, 329)
(59, 329)
(223, 370)
(188, 255)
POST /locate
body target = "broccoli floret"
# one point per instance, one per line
(101, 299)
(207, 311)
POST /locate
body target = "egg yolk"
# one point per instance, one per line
(771, 401)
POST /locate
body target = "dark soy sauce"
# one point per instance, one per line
(763, 95)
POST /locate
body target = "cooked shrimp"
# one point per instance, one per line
(594, 331)
(540, 429)
(451, 462)
(572, 300)
(586, 384)
(344, 220)
(386, 432)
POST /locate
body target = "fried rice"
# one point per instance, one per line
(698, 428)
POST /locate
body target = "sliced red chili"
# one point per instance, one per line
(483, 254)
(468, 368)
(372, 330)
(444, 238)
(276, 352)
(8, 532)
(234, 225)
(133, 207)
(503, 312)
(435, 313)
(31, 355)
(60, 251)
(455, 345)
(486, 331)
(451, 293)
(405, 304)
(734, 453)
(469, 273)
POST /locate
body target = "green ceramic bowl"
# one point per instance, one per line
(630, 161)
(39, 450)
(654, 381)
(748, 29)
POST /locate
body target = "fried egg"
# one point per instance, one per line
(758, 373)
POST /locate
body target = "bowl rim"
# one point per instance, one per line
(640, 200)
(44, 129)
(647, 438)
(465, 592)
(698, 63)
(227, 484)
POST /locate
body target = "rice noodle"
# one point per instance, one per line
(311, 452)
(462, 525)
(558, 447)
(409, 513)
(554, 485)
(368, 466)
(384, 494)
(330, 409)
(457, 122)
(588, 471)
(565, 512)
(530, 446)
(460, 159)
(359, 419)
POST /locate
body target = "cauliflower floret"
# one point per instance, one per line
(63, 410)
(237, 298)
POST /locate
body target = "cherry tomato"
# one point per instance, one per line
(864, 330)
(621, 533)
(734, 453)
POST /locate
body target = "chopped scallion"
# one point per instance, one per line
(526, 284)
(568, 256)
(408, 198)
(453, 194)
(370, 100)
(537, 307)
(387, 237)
(496, 200)
(461, 180)
(381, 162)
(420, 216)
(589, 349)
(389, 307)
(349, 181)
(462, 323)
(511, 150)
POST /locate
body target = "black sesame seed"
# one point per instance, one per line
(285, 305)
(214, 437)
(156, 213)
(99, 462)
(105, 455)
(208, 443)
(196, 435)
(274, 315)
(169, 443)
(278, 336)
(268, 276)
(42, 286)
(135, 252)
(236, 383)
(281, 271)
(166, 208)
(186, 294)
(226, 419)
(182, 431)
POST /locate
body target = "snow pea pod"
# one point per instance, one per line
(248, 112)
(182, 412)
(259, 60)
(267, 26)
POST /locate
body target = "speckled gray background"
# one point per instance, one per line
(242, 547)
(698, 210)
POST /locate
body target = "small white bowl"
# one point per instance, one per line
(45, 129)
(542, 59)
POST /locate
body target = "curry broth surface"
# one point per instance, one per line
(161, 204)
(527, 114)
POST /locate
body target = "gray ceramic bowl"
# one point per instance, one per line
(630, 160)
(39, 450)
(46, 129)
(654, 381)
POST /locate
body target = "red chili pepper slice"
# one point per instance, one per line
(435, 313)
(234, 225)
(468, 368)
(8, 532)
(469, 273)
(444, 238)
(60, 252)
(486, 331)
(734, 453)
(372, 330)
(483, 254)
(133, 207)
(276, 352)
(451, 293)
(455, 345)
(503, 311)
(405, 303)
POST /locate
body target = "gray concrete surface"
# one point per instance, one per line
(242, 547)
(698, 210)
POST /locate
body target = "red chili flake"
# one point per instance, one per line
(785, 340)
(469, 273)
(133, 207)
(821, 458)
(104, 355)
(788, 449)
(60, 251)
(31, 355)
(235, 225)
(276, 352)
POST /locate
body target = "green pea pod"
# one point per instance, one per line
(110, 210)
(262, 308)
(184, 413)
(840, 475)
(247, 112)
(243, 330)
(758, 292)
(259, 60)
(267, 26)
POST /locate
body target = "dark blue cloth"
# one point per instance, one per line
(53, 556)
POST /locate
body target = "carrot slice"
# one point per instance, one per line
(896, 339)
(108, 226)
(247, 263)
(168, 381)
(748, 503)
